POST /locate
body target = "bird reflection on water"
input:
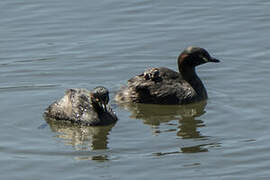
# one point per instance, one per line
(186, 115)
(83, 138)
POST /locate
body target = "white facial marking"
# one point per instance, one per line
(189, 48)
(205, 59)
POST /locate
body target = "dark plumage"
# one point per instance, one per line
(81, 106)
(165, 86)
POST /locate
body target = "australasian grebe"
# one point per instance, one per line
(81, 106)
(166, 86)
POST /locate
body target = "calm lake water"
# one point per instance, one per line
(49, 46)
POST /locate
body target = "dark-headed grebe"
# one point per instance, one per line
(165, 86)
(84, 107)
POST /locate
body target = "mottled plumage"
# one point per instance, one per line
(84, 107)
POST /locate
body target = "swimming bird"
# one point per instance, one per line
(81, 106)
(166, 86)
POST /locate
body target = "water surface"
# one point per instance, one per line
(49, 46)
